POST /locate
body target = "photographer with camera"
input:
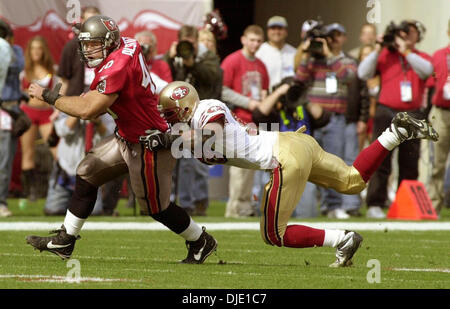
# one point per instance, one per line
(148, 42)
(192, 62)
(403, 72)
(332, 75)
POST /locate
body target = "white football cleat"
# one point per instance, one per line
(346, 249)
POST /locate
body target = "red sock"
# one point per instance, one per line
(370, 159)
(300, 236)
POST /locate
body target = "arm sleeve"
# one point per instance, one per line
(368, 66)
(232, 97)
(114, 81)
(420, 65)
(210, 116)
(5, 61)
(303, 72)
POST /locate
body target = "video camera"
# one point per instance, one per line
(393, 30)
(315, 49)
(185, 50)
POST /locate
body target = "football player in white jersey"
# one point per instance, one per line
(293, 158)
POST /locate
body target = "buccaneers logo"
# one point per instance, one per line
(109, 24)
(179, 93)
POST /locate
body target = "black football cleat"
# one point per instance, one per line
(200, 249)
(413, 128)
(62, 244)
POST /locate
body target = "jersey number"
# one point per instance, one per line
(146, 79)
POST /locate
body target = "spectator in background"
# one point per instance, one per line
(440, 118)
(367, 36)
(200, 67)
(192, 62)
(245, 84)
(70, 150)
(10, 59)
(373, 88)
(208, 39)
(276, 54)
(148, 42)
(39, 68)
(332, 75)
(403, 72)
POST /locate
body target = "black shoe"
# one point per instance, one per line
(62, 244)
(414, 128)
(200, 249)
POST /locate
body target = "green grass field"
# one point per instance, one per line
(150, 259)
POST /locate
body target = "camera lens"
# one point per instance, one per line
(185, 49)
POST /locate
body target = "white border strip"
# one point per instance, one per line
(223, 226)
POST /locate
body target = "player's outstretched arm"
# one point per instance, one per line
(88, 106)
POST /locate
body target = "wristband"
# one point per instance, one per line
(51, 95)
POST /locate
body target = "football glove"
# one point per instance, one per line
(51, 95)
(155, 140)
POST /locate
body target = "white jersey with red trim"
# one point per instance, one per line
(241, 149)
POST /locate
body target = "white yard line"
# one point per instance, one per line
(61, 279)
(223, 226)
(423, 270)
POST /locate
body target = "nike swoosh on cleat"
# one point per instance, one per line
(197, 256)
(50, 245)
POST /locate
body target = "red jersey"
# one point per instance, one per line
(125, 73)
(247, 77)
(160, 68)
(392, 73)
(440, 64)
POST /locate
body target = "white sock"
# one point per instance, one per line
(389, 139)
(333, 238)
(73, 224)
(192, 232)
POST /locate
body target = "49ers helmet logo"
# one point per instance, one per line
(179, 93)
(109, 24)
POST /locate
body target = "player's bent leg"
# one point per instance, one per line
(280, 198)
(151, 179)
(330, 171)
(199, 243)
(286, 185)
(103, 162)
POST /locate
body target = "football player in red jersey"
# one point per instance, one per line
(122, 87)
